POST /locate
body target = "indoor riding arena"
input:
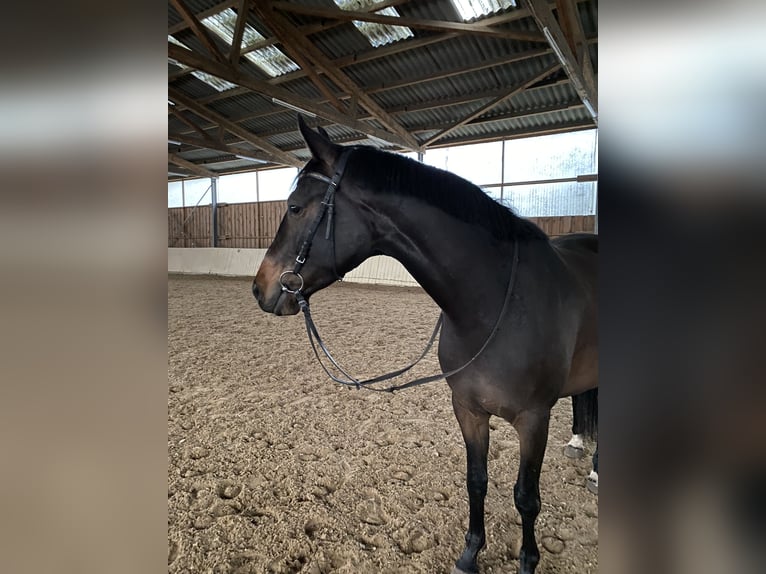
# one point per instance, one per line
(275, 468)
(272, 466)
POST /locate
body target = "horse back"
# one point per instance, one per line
(583, 242)
(579, 252)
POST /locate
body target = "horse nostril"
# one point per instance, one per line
(256, 291)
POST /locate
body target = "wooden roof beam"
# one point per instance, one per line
(368, 55)
(525, 133)
(183, 25)
(239, 30)
(296, 42)
(199, 30)
(417, 23)
(277, 154)
(466, 98)
(347, 60)
(529, 113)
(218, 145)
(308, 29)
(488, 106)
(420, 106)
(571, 26)
(199, 62)
(543, 15)
(191, 166)
(189, 122)
(290, 38)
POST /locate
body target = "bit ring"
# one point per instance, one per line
(287, 289)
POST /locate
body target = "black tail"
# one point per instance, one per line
(585, 411)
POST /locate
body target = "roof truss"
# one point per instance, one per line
(328, 84)
(543, 15)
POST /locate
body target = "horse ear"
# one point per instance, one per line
(319, 143)
(323, 131)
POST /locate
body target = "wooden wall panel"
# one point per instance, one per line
(254, 225)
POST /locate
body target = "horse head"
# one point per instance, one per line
(324, 233)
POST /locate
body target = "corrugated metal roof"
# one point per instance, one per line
(475, 9)
(424, 88)
(377, 34)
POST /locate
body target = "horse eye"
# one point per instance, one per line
(296, 209)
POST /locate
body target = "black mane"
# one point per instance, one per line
(391, 173)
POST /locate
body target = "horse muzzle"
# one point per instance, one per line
(276, 301)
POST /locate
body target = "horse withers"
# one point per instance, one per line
(519, 310)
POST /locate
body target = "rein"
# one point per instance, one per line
(328, 207)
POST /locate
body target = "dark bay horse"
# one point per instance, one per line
(503, 286)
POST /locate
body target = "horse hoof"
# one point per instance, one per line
(573, 452)
(592, 484)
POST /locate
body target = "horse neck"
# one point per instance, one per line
(458, 264)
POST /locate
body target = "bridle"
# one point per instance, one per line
(328, 208)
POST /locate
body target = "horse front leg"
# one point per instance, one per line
(475, 429)
(533, 436)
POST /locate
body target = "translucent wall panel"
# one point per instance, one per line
(478, 163)
(276, 184)
(550, 157)
(551, 199)
(238, 188)
(174, 194)
(194, 190)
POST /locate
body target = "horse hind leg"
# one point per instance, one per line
(592, 481)
(532, 428)
(575, 448)
(584, 422)
(475, 429)
(585, 407)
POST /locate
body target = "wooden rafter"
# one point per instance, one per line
(277, 154)
(342, 62)
(199, 62)
(239, 30)
(366, 56)
(191, 166)
(420, 106)
(178, 74)
(318, 82)
(536, 131)
(571, 26)
(183, 24)
(442, 74)
(199, 30)
(509, 116)
(494, 102)
(465, 99)
(308, 29)
(288, 37)
(218, 145)
(418, 23)
(558, 19)
(351, 59)
(296, 42)
(189, 122)
(545, 20)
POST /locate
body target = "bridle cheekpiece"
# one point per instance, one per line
(328, 208)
